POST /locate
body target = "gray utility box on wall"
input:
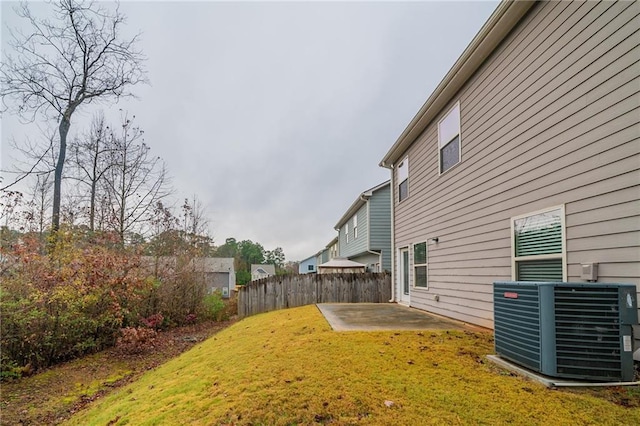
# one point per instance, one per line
(572, 330)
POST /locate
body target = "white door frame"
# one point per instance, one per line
(404, 285)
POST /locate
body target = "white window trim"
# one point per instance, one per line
(542, 256)
(414, 265)
(355, 227)
(346, 231)
(442, 145)
(400, 272)
(403, 168)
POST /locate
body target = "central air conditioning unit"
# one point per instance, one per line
(570, 330)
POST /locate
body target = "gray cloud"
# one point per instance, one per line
(276, 114)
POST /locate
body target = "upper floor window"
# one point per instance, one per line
(403, 179)
(355, 227)
(346, 231)
(538, 246)
(449, 139)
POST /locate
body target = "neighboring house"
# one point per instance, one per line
(214, 273)
(329, 252)
(308, 265)
(341, 265)
(524, 163)
(364, 231)
(217, 273)
(322, 256)
(262, 271)
(333, 249)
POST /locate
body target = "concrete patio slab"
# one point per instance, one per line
(384, 316)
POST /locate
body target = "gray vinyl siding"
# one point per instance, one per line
(380, 227)
(324, 257)
(355, 245)
(551, 118)
(366, 259)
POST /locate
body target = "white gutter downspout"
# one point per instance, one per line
(393, 236)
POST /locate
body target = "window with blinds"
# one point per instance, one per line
(538, 246)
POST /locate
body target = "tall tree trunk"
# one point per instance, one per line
(65, 124)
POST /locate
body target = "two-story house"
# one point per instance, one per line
(330, 251)
(364, 231)
(524, 163)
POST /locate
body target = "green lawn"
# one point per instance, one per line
(289, 367)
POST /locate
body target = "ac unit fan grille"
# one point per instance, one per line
(587, 332)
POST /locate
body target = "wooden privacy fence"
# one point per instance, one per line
(289, 291)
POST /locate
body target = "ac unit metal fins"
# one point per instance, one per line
(571, 330)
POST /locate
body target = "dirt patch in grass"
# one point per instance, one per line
(53, 395)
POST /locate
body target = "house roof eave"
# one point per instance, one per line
(332, 242)
(498, 26)
(358, 203)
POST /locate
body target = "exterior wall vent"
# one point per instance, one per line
(589, 272)
(571, 330)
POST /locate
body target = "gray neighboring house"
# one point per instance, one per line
(259, 272)
(329, 252)
(364, 231)
(535, 130)
(217, 273)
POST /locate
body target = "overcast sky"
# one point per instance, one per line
(276, 114)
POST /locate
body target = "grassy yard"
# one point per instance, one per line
(289, 367)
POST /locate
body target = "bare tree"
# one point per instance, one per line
(89, 157)
(195, 226)
(135, 180)
(194, 218)
(35, 159)
(40, 203)
(76, 58)
(10, 201)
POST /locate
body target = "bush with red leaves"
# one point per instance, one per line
(136, 340)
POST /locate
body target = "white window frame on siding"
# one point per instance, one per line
(448, 130)
(403, 179)
(346, 231)
(550, 256)
(424, 265)
(355, 227)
